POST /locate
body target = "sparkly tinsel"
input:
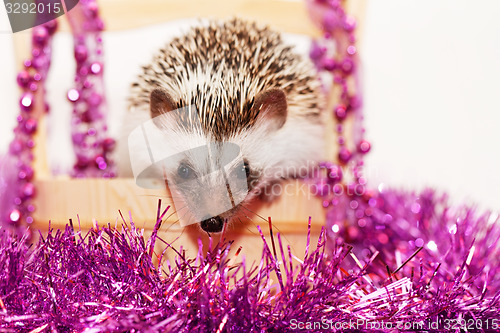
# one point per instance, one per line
(88, 124)
(426, 267)
(16, 171)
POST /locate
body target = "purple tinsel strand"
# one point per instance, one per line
(88, 124)
(336, 57)
(16, 170)
(106, 280)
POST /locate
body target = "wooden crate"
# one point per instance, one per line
(62, 198)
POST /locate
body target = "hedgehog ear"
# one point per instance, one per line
(160, 102)
(272, 107)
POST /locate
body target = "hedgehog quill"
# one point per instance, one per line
(250, 100)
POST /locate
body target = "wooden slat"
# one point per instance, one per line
(250, 241)
(289, 16)
(83, 200)
(61, 199)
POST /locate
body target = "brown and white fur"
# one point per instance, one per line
(250, 89)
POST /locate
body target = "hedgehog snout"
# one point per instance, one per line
(212, 224)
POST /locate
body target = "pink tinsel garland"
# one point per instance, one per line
(106, 280)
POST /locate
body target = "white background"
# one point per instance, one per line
(432, 93)
(432, 88)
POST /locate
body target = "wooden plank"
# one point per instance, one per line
(286, 16)
(61, 199)
(58, 200)
(250, 242)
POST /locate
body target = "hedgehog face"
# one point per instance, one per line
(210, 183)
(230, 71)
(210, 177)
(209, 192)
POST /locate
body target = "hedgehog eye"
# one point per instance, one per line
(185, 172)
(243, 171)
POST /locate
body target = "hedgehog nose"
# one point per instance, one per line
(212, 224)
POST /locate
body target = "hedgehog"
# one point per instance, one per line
(247, 96)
